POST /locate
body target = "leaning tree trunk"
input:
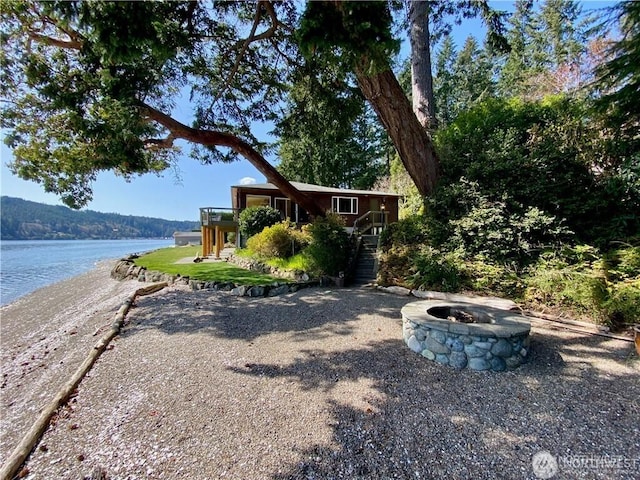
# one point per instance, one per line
(421, 76)
(222, 139)
(413, 143)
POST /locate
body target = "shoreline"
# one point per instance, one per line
(29, 265)
(44, 336)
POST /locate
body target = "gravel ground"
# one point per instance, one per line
(316, 384)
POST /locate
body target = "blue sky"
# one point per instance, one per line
(198, 185)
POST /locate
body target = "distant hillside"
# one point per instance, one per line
(25, 220)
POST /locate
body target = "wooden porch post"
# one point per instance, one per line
(203, 240)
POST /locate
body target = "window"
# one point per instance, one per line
(347, 205)
(284, 205)
(258, 201)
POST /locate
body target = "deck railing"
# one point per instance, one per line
(371, 220)
(211, 215)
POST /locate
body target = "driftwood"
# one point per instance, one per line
(32, 437)
(573, 326)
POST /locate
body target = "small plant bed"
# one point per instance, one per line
(320, 250)
(164, 260)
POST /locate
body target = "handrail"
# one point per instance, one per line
(373, 218)
(208, 215)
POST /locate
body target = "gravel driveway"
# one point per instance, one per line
(319, 385)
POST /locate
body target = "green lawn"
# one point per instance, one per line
(163, 260)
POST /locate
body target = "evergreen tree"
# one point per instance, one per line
(548, 48)
(619, 78)
(327, 135)
(518, 61)
(444, 82)
(472, 76)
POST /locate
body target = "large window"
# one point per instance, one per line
(348, 205)
(258, 201)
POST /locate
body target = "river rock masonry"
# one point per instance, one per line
(465, 335)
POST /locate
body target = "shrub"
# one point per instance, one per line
(435, 270)
(330, 245)
(254, 219)
(544, 155)
(395, 263)
(281, 240)
(579, 279)
(482, 275)
(462, 217)
(623, 305)
(408, 231)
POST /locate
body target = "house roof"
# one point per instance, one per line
(310, 188)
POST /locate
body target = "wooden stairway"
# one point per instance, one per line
(367, 263)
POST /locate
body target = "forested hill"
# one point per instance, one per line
(25, 220)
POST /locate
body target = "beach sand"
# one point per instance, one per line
(44, 336)
(309, 385)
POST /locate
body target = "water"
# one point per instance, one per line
(26, 265)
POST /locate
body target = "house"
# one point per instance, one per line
(187, 238)
(352, 205)
(364, 211)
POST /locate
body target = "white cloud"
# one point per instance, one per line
(247, 181)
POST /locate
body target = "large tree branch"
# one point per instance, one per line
(55, 42)
(244, 45)
(223, 139)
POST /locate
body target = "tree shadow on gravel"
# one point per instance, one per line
(577, 395)
(424, 420)
(312, 311)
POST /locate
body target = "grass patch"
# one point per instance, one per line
(163, 260)
(297, 262)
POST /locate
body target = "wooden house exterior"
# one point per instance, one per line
(363, 210)
(352, 205)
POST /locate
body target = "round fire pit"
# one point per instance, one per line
(466, 335)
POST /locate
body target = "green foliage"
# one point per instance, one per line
(299, 262)
(327, 124)
(89, 92)
(164, 260)
(623, 304)
(462, 217)
(491, 230)
(540, 155)
(408, 231)
(435, 270)
(471, 80)
(547, 43)
(619, 77)
(330, 246)
(411, 202)
(492, 278)
(254, 219)
(349, 33)
(605, 288)
(281, 240)
(395, 263)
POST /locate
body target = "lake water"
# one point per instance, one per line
(26, 265)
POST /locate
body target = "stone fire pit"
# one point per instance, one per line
(466, 335)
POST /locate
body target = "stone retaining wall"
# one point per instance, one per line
(260, 267)
(126, 269)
